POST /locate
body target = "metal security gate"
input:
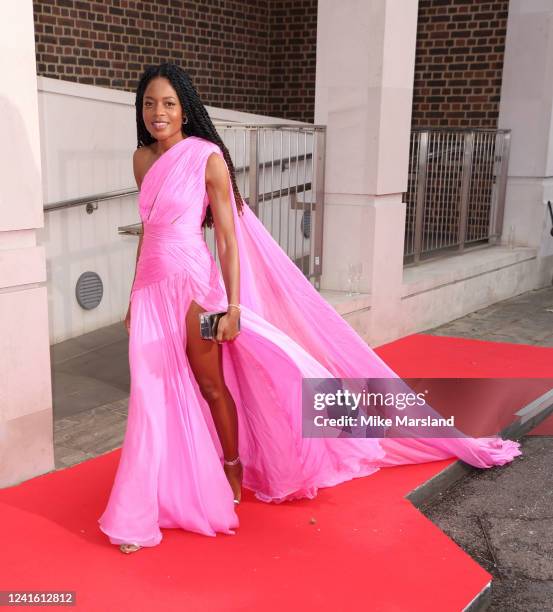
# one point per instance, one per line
(456, 190)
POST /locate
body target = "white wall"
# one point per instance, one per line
(364, 94)
(526, 108)
(87, 136)
(26, 445)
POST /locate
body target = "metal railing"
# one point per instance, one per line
(456, 190)
(279, 171)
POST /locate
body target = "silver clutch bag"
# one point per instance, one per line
(209, 322)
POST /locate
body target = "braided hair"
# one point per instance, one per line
(198, 124)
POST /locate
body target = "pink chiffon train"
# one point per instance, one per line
(170, 470)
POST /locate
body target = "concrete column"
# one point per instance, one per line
(26, 440)
(526, 108)
(364, 91)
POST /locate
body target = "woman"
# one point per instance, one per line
(182, 462)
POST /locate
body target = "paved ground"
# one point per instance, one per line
(524, 319)
(503, 517)
(90, 393)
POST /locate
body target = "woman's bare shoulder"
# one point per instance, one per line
(216, 167)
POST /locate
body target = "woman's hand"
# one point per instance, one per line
(227, 329)
(128, 320)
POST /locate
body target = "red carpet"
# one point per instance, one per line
(368, 548)
(443, 356)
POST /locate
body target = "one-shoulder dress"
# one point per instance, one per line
(170, 471)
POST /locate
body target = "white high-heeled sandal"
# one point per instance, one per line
(234, 462)
(134, 549)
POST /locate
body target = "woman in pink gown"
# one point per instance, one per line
(180, 465)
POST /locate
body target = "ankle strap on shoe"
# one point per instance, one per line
(233, 462)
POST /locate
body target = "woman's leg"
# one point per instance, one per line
(206, 361)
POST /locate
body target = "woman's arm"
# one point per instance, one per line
(137, 256)
(218, 190)
(139, 171)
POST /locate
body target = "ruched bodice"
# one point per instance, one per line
(180, 233)
(169, 249)
(172, 207)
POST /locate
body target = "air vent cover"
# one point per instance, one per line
(89, 290)
(305, 224)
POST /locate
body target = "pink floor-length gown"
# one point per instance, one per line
(170, 471)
